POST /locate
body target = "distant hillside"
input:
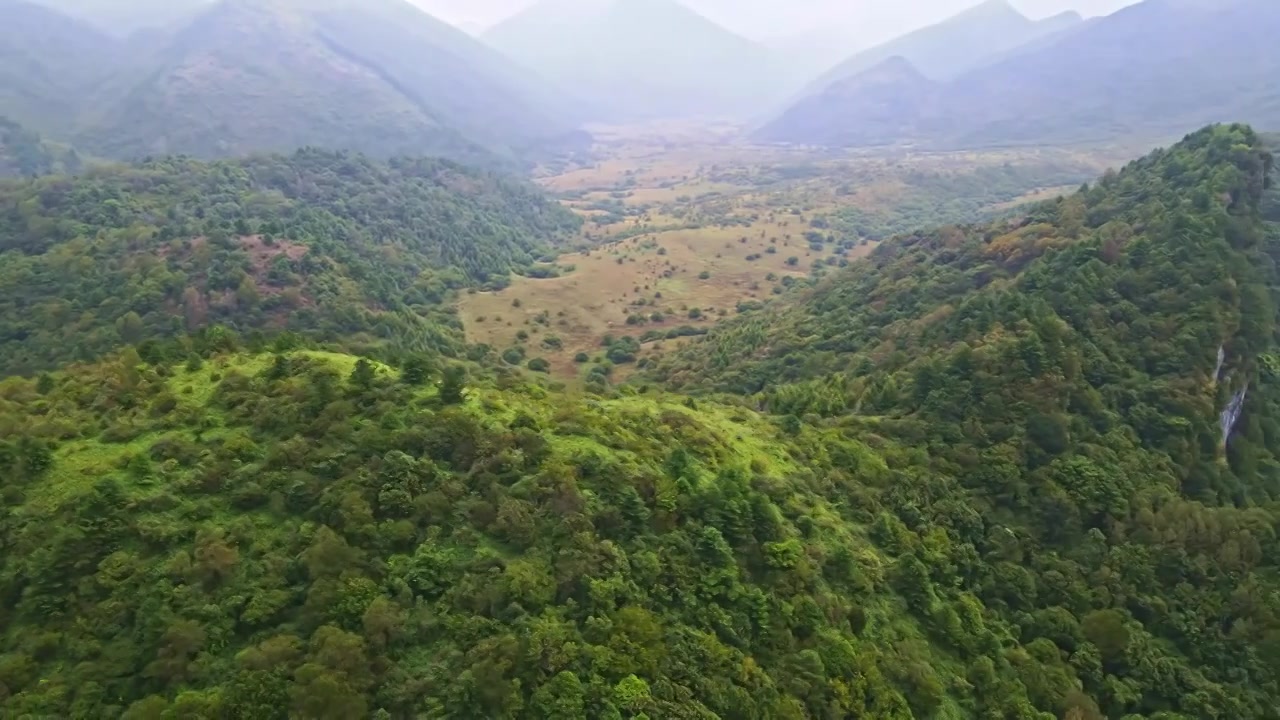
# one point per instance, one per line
(379, 76)
(639, 58)
(955, 45)
(874, 105)
(23, 153)
(1151, 70)
(1159, 67)
(323, 244)
(48, 63)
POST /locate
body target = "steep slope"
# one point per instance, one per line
(955, 45)
(1184, 63)
(379, 77)
(638, 58)
(1097, 380)
(326, 245)
(867, 108)
(471, 87)
(48, 62)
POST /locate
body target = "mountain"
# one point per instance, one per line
(125, 17)
(380, 77)
(982, 474)
(639, 58)
(1186, 63)
(955, 45)
(48, 63)
(325, 244)
(873, 102)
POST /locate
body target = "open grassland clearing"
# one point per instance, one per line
(656, 286)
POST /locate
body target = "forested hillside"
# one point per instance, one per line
(328, 245)
(1094, 386)
(308, 535)
(990, 481)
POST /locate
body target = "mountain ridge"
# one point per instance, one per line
(381, 77)
(955, 44)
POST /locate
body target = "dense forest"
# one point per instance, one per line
(983, 474)
(1092, 391)
(327, 245)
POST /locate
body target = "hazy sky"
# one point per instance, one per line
(874, 20)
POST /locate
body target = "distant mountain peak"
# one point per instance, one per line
(1061, 21)
(1066, 15)
(946, 48)
(896, 65)
(990, 8)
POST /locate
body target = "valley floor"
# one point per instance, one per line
(685, 228)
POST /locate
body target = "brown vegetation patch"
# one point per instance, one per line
(261, 253)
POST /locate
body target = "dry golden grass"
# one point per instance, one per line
(640, 276)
